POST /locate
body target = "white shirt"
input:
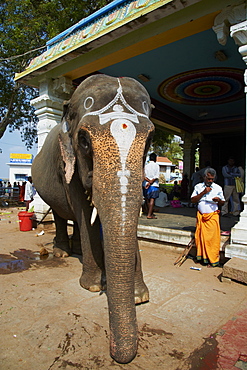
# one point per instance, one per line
(152, 171)
(28, 191)
(206, 204)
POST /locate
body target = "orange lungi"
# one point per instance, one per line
(207, 237)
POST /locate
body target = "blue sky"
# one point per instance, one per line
(11, 143)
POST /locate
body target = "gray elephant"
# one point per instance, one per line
(98, 152)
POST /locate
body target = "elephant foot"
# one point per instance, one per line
(57, 252)
(92, 282)
(61, 248)
(141, 293)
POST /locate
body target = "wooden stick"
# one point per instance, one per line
(179, 261)
(185, 256)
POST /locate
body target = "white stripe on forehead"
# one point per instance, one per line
(118, 97)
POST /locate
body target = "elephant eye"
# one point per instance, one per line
(84, 140)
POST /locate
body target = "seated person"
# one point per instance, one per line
(176, 190)
(162, 200)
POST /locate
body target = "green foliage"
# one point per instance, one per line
(174, 152)
(165, 145)
(197, 157)
(161, 141)
(27, 25)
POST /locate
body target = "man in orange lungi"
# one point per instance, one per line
(209, 196)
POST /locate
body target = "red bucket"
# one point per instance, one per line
(25, 220)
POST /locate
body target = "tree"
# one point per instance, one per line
(161, 141)
(166, 145)
(174, 152)
(25, 27)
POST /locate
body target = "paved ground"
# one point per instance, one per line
(193, 320)
(182, 218)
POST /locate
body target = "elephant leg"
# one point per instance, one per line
(141, 290)
(76, 240)
(61, 246)
(93, 273)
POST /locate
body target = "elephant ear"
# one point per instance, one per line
(67, 151)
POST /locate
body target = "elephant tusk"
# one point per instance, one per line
(94, 215)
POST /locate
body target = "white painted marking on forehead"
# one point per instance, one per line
(124, 133)
(118, 113)
(118, 97)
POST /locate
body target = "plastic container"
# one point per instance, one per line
(25, 220)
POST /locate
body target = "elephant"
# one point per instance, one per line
(90, 171)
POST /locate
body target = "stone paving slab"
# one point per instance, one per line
(236, 269)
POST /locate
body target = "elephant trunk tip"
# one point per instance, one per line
(123, 355)
(123, 358)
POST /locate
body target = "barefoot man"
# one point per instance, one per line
(209, 196)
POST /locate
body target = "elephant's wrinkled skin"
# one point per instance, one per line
(100, 147)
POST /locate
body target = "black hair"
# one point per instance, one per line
(153, 157)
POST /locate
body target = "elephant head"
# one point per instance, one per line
(106, 129)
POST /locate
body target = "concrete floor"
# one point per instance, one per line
(192, 321)
(182, 218)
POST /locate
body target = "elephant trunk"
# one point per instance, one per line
(120, 241)
(120, 252)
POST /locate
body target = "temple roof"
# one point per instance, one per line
(103, 21)
(181, 51)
